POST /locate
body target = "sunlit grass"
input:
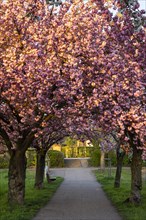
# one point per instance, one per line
(118, 196)
(34, 199)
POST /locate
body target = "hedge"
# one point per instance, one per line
(4, 161)
(56, 158)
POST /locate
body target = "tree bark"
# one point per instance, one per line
(40, 168)
(102, 161)
(16, 177)
(136, 176)
(120, 157)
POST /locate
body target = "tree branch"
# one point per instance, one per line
(6, 139)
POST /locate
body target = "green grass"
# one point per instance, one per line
(34, 199)
(118, 196)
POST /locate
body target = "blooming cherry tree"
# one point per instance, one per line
(76, 62)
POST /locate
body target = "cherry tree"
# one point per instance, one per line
(42, 144)
(33, 87)
(113, 83)
(120, 105)
(112, 61)
(78, 59)
(39, 57)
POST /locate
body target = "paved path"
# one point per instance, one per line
(79, 197)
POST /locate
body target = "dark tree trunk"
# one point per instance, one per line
(120, 157)
(136, 176)
(40, 168)
(16, 177)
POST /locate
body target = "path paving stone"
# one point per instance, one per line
(80, 197)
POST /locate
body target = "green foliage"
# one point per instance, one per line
(68, 147)
(95, 158)
(112, 155)
(144, 163)
(34, 200)
(56, 158)
(126, 161)
(31, 158)
(119, 195)
(4, 160)
(70, 142)
(84, 151)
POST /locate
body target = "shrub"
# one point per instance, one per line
(112, 155)
(126, 161)
(144, 163)
(4, 161)
(31, 158)
(95, 158)
(56, 158)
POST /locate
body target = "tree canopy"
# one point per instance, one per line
(79, 63)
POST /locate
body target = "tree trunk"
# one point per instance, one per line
(16, 177)
(136, 176)
(102, 161)
(120, 157)
(40, 168)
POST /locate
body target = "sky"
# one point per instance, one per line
(142, 4)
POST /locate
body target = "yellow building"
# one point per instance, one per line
(79, 149)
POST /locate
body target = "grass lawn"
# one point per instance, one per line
(34, 199)
(117, 196)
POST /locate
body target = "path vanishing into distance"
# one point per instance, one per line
(79, 197)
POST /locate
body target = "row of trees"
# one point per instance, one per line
(70, 70)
